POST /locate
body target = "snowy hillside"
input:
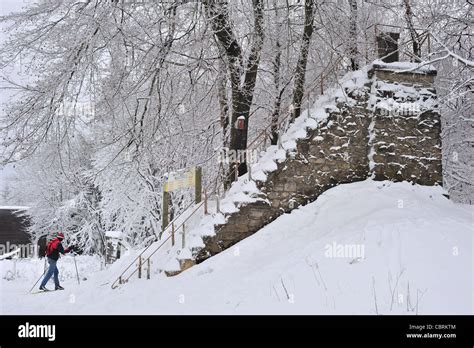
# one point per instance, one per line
(363, 248)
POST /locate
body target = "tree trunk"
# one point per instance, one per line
(242, 79)
(414, 35)
(276, 80)
(300, 72)
(353, 51)
(223, 103)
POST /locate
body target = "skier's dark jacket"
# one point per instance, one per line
(58, 248)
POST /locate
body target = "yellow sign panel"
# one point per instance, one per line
(179, 180)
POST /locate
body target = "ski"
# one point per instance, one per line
(41, 291)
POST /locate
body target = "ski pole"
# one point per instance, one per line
(41, 276)
(77, 273)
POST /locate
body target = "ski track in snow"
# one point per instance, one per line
(418, 258)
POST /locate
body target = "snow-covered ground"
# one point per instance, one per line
(362, 248)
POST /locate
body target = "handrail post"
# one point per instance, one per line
(148, 272)
(279, 139)
(375, 40)
(429, 43)
(218, 205)
(236, 170)
(140, 267)
(249, 170)
(308, 100)
(172, 234)
(183, 244)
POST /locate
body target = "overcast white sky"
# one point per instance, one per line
(7, 6)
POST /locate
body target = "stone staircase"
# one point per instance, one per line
(388, 129)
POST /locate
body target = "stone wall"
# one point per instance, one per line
(406, 143)
(356, 141)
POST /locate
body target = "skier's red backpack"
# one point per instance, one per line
(52, 244)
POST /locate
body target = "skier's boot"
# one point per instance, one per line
(59, 287)
(43, 288)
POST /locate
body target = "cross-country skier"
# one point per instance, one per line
(53, 249)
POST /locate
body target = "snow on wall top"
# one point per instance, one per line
(114, 234)
(6, 207)
(405, 67)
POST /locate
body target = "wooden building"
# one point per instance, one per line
(13, 229)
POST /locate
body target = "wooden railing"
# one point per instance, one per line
(260, 141)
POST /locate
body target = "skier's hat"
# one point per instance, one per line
(60, 235)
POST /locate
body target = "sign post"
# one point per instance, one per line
(197, 184)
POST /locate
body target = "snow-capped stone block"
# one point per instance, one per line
(269, 166)
(228, 207)
(311, 123)
(184, 254)
(289, 145)
(259, 176)
(172, 265)
(241, 197)
(195, 241)
(206, 230)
